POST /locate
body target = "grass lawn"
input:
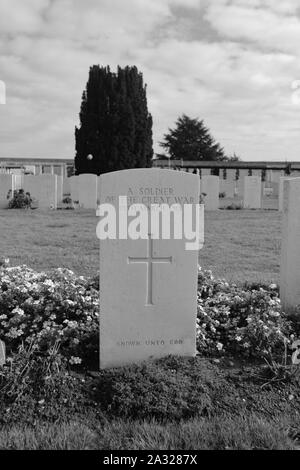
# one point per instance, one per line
(170, 404)
(239, 245)
(226, 408)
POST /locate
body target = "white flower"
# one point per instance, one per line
(18, 311)
(273, 286)
(274, 314)
(75, 360)
(219, 346)
(238, 338)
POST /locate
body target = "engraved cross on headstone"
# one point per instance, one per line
(149, 260)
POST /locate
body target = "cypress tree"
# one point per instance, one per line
(115, 129)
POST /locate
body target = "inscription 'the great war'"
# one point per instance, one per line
(158, 195)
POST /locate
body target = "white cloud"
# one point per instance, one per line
(17, 16)
(2, 92)
(263, 26)
(236, 76)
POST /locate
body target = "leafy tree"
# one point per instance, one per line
(288, 169)
(191, 140)
(234, 158)
(115, 126)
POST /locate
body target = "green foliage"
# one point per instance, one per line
(19, 200)
(166, 389)
(191, 140)
(46, 308)
(242, 321)
(67, 200)
(35, 385)
(234, 158)
(115, 130)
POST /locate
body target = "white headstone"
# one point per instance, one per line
(252, 192)
(243, 173)
(60, 188)
(6, 185)
(66, 186)
(276, 175)
(210, 185)
(43, 188)
(18, 181)
(74, 187)
(231, 174)
(87, 188)
(148, 287)
(290, 245)
(280, 191)
(2, 353)
(227, 187)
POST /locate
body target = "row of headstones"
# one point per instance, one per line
(49, 190)
(250, 189)
(46, 189)
(84, 190)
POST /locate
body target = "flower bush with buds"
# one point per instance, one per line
(59, 307)
(242, 321)
(42, 309)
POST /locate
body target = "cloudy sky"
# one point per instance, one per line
(233, 63)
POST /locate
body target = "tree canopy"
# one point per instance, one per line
(191, 140)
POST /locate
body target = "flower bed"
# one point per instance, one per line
(47, 308)
(61, 308)
(242, 321)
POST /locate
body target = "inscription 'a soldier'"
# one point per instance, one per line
(149, 260)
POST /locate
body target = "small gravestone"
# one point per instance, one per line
(60, 188)
(148, 286)
(74, 188)
(210, 186)
(228, 188)
(66, 187)
(42, 188)
(18, 181)
(6, 185)
(282, 179)
(2, 353)
(290, 246)
(87, 191)
(252, 192)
